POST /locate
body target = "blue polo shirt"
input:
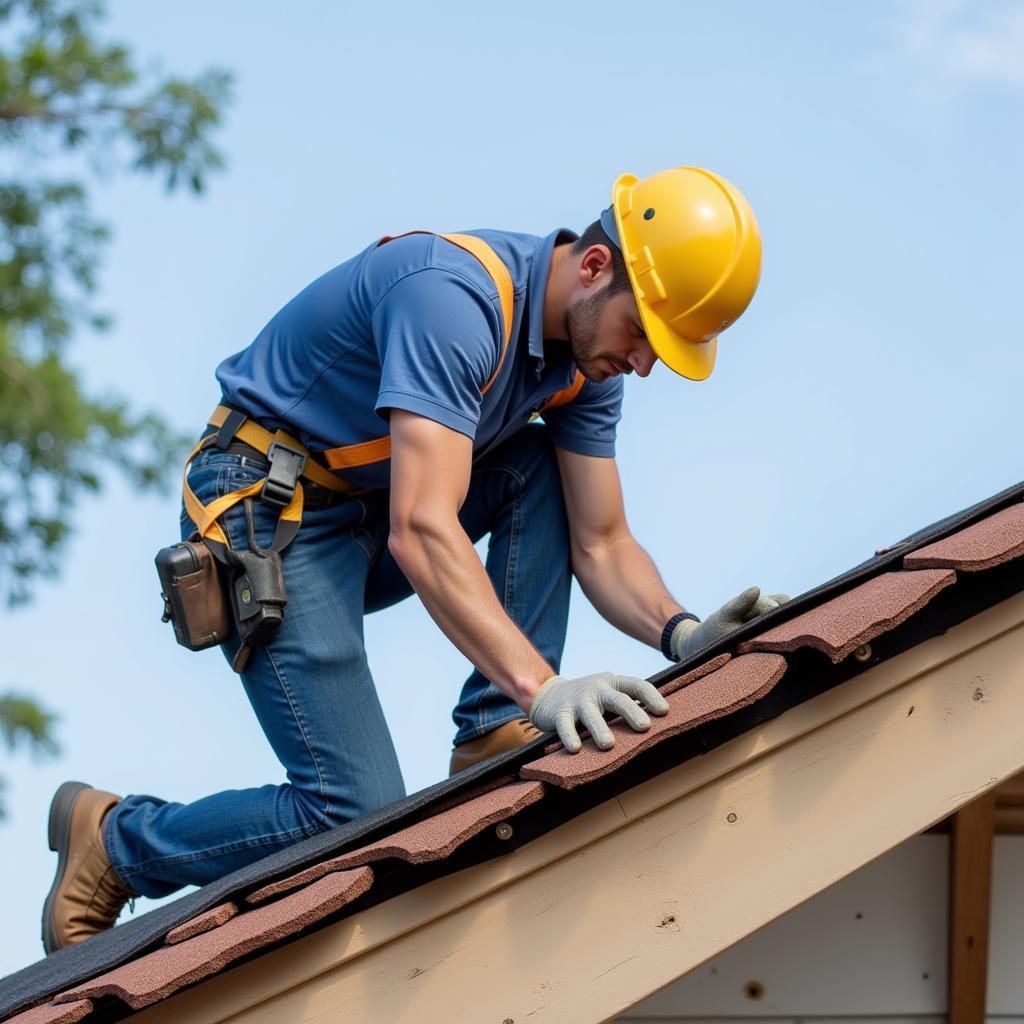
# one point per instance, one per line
(416, 324)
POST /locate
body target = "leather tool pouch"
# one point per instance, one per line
(194, 599)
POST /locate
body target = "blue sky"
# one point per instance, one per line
(872, 387)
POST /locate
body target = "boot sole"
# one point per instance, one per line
(59, 836)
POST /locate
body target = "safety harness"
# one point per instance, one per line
(256, 588)
(195, 601)
(291, 462)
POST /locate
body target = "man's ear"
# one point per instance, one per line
(595, 265)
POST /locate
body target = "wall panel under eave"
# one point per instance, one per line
(872, 947)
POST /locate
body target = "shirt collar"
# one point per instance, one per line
(538, 287)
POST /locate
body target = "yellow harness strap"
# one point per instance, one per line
(566, 395)
(261, 439)
(205, 516)
(366, 453)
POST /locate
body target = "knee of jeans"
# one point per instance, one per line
(325, 811)
(312, 808)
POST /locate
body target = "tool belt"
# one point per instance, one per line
(200, 599)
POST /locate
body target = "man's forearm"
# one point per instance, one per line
(623, 584)
(447, 574)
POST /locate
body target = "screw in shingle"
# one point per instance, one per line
(503, 831)
(731, 817)
(863, 653)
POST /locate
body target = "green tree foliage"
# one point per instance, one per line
(73, 101)
(22, 721)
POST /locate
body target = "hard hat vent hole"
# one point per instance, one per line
(649, 213)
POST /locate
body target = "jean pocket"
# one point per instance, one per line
(243, 476)
(216, 474)
(204, 480)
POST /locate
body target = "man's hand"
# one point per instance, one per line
(689, 636)
(561, 702)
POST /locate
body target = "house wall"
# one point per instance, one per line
(873, 946)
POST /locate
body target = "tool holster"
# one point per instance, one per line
(248, 583)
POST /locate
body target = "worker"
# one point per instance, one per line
(429, 391)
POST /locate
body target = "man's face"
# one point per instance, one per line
(607, 336)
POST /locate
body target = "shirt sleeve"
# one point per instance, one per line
(439, 340)
(587, 424)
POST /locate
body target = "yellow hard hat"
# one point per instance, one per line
(692, 249)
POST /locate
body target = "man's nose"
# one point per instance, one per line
(642, 360)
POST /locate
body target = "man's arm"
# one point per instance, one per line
(617, 575)
(430, 473)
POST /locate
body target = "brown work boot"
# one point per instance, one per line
(505, 737)
(86, 895)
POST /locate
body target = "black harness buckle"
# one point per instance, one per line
(286, 466)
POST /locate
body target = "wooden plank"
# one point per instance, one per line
(1009, 821)
(1009, 796)
(674, 870)
(970, 902)
(1011, 792)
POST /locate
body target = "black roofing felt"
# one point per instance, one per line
(809, 673)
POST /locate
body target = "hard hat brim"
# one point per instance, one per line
(691, 359)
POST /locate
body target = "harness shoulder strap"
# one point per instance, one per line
(566, 395)
(494, 266)
(366, 453)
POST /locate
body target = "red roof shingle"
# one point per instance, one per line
(203, 923)
(838, 627)
(52, 1013)
(984, 545)
(433, 839)
(156, 975)
(734, 686)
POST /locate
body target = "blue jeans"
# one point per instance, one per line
(311, 686)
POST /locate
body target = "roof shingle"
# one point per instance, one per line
(984, 545)
(51, 1013)
(734, 686)
(838, 627)
(433, 839)
(203, 923)
(156, 975)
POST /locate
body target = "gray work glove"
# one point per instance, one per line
(689, 636)
(561, 702)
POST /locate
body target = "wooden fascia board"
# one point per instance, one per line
(596, 915)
